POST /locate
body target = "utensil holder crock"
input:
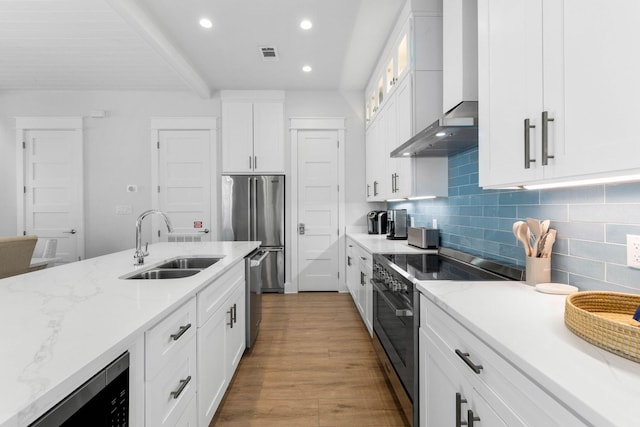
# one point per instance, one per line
(538, 270)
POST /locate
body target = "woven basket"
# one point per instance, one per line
(605, 319)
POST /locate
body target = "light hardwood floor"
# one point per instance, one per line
(312, 365)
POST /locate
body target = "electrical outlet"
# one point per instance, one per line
(633, 251)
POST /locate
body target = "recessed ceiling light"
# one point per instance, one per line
(305, 24)
(307, 68)
(206, 23)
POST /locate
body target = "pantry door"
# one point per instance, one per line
(186, 181)
(50, 183)
(318, 207)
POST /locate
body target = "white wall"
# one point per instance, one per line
(116, 153)
(117, 150)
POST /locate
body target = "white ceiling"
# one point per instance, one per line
(158, 44)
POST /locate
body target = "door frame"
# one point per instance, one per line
(159, 124)
(71, 123)
(298, 124)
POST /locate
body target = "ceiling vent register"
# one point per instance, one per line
(269, 53)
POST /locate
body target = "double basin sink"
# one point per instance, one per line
(174, 268)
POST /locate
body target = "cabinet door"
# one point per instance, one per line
(237, 137)
(447, 398)
(591, 90)
(372, 162)
(212, 366)
(404, 129)
(235, 333)
(268, 137)
(510, 90)
(390, 141)
(353, 274)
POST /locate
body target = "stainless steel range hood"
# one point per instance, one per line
(456, 131)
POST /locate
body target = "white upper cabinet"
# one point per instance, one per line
(252, 132)
(557, 89)
(405, 95)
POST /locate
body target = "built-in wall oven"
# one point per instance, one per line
(396, 319)
(102, 401)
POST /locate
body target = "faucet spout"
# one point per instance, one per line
(140, 254)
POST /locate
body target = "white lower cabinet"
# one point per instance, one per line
(454, 364)
(212, 369)
(451, 399)
(221, 339)
(359, 272)
(192, 354)
(190, 416)
(170, 367)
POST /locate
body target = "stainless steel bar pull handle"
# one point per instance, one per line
(459, 402)
(465, 357)
(180, 332)
(527, 143)
(72, 231)
(230, 313)
(375, 188)
(235, 312)
(183, 384)
(545, 138)
(301, 228)
(471, 418)
(249, 162)
(255, 162)
(368, 190)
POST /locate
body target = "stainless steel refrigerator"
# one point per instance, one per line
(253, 209)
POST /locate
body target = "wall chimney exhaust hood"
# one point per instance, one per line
(455, 131)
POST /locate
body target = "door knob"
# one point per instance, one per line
(301, 228)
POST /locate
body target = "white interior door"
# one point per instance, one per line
(53, 200)
(184, 179)
(318, 210)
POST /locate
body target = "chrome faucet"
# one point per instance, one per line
(140, 254)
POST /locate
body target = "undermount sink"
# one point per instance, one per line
(159, 273)
(182, 263)
(175, 268)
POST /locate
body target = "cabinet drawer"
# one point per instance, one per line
(504, 381)
(213, 295)
(169, 393)
(167, 337)
(190, 416)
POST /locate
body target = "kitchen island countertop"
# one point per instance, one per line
(527, 329)
(62, 325)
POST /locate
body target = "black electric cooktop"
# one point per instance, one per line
(452, 265)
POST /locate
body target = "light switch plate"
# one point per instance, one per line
(124, 210)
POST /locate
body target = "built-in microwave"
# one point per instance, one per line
(101, 401)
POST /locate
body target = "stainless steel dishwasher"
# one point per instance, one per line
(253, 277)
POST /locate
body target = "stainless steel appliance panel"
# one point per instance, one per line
(269, 210)
(273, 270)
(236, 208)
(252, 208)
(253, 274)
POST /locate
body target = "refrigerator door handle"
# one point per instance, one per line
(254, 213)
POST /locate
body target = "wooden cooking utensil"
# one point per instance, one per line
(549, 240)
(521, 231)
(535, 227)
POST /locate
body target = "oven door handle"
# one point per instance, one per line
(400, 312)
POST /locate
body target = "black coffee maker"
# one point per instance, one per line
(377, 222)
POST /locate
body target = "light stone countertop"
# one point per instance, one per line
(63, 324)
(527, 328)
(379, 244)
